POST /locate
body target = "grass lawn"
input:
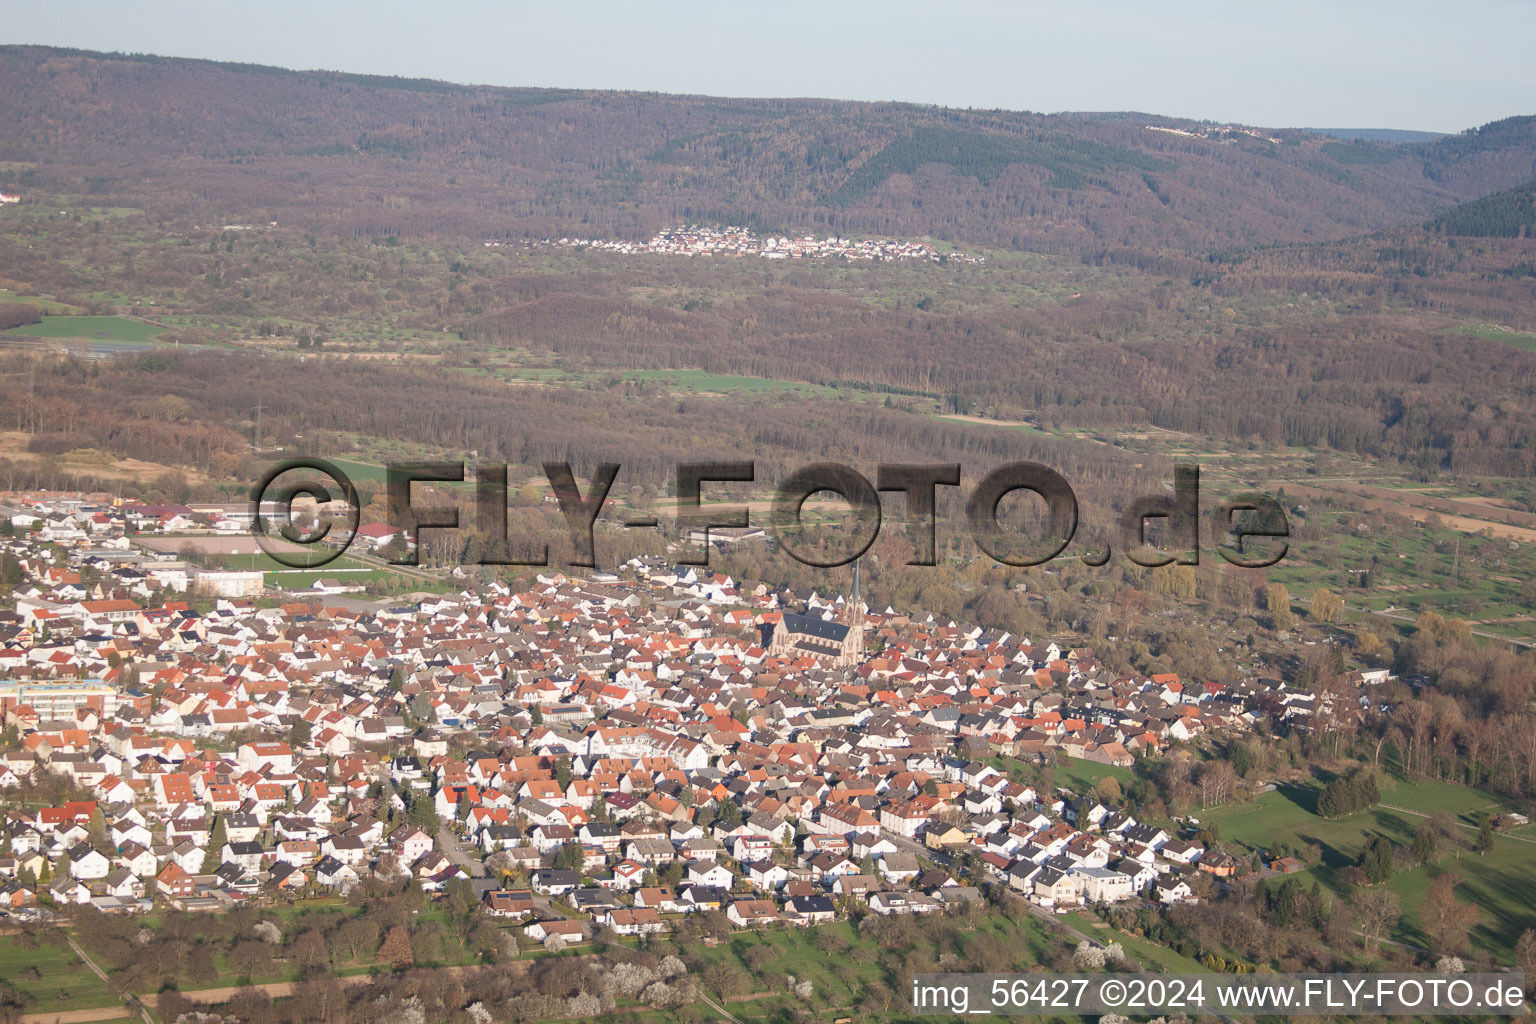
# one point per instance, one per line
(1501, 885)
(1081, 776)
(1518, 339)
(288, 913)
(344, 570)
(725, 383)
(795, 952)
(92, 328)
(360, 471)
(535, 373)
(1158, 958)
(1072, 773)
(48, 306)
(52, 975)
(1430, 797)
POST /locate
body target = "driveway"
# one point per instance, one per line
(452, 847)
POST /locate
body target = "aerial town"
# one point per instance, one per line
(637, 747)
(614, 518)
(691, 240)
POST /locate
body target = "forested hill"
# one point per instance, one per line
(1510, 214)
(1392, 135)
(365, 155)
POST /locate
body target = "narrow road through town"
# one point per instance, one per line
(453, 849)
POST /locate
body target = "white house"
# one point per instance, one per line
(707, 872)
(1104, 885)
(87, 864)
(1171, 889)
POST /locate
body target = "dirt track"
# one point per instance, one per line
(280, 989)
(78, 1016)
(275, 989)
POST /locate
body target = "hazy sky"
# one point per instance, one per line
(1368, 63)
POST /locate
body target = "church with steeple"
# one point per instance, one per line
(839, 641)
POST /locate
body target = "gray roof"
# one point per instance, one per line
(820, 628)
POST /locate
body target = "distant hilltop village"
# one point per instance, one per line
(1219, 132)
(739, 241)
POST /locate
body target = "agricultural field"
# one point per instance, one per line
(99, 330)
(1396, 566)
(51, 975)
(360, 472)
(1019, 425)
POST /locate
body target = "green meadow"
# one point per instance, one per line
(1502, 884)
(51, 975)
(96, 329)
(1519, 339)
